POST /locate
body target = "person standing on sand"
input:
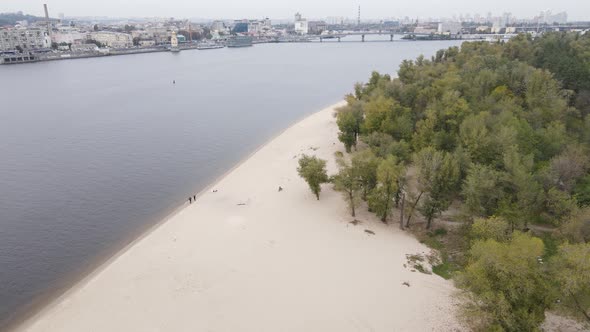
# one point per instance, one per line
(194, 198)
(189, 199)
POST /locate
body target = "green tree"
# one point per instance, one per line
(348, 182)
(482, 191)
(437, 175)
(365, 163)
(581, 190)
(526, 199)
(349, 120)
(571, 271)
(313, 171)
(494, 228)
(381, 198)
(576, 228)
(507, 282)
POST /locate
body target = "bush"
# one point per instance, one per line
(491, 228)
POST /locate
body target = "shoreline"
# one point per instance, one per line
(87, 294)
(83, 275)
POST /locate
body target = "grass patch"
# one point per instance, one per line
(440, 232)
(432, 242)
(444, 270)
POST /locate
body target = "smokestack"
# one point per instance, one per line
(358, 22)
(47, 19)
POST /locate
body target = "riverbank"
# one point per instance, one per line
(247, 257)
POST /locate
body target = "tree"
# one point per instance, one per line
(349, 120)
(566, 168)
(365, 163)
(347, 181)
(571, 270)
(576, 228)
(494, 228)
(581, 190)
(482, 191)
(437, 175)
(526, 194)
(313, 171)
(381, 197)
(507, 282)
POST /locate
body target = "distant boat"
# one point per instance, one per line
(209, 46)
(240, 41)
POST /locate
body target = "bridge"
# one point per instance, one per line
(344, 34)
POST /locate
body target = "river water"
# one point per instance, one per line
(94, 151)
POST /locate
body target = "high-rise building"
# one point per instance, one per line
(301, 25)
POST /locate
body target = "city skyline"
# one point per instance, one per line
(372, 9)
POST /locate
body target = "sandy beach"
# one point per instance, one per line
(246, 257)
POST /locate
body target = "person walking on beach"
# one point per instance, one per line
(190, 199)
(194, 198)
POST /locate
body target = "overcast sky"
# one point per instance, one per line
(377, 9)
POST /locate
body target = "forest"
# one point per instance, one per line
(482, 150)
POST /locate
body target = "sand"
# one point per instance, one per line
(250, 258)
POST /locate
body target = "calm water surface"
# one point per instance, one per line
(94, 151)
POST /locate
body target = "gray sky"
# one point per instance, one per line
(576, 9)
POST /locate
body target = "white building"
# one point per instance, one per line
(424, 30)
(452, 28)
(24, 38)
(68, 35)
(84, 48)
(301, 26)
(549, 18)
(254, 27)
(112, 39)
(218, 26)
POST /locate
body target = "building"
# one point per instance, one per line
(317, 27)
(240, 27)
(254, 27)
(424, 30)
(24, 39)
(301, 25)
(159, 34)
(510, 29)
(548, 17)
(146, 42)
(451, 28)
(84, 48)
(112, 39)
(68, 35)
(218, 26)
(335, 20)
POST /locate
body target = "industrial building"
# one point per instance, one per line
(24, 39)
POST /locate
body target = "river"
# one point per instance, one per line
(95, 151)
